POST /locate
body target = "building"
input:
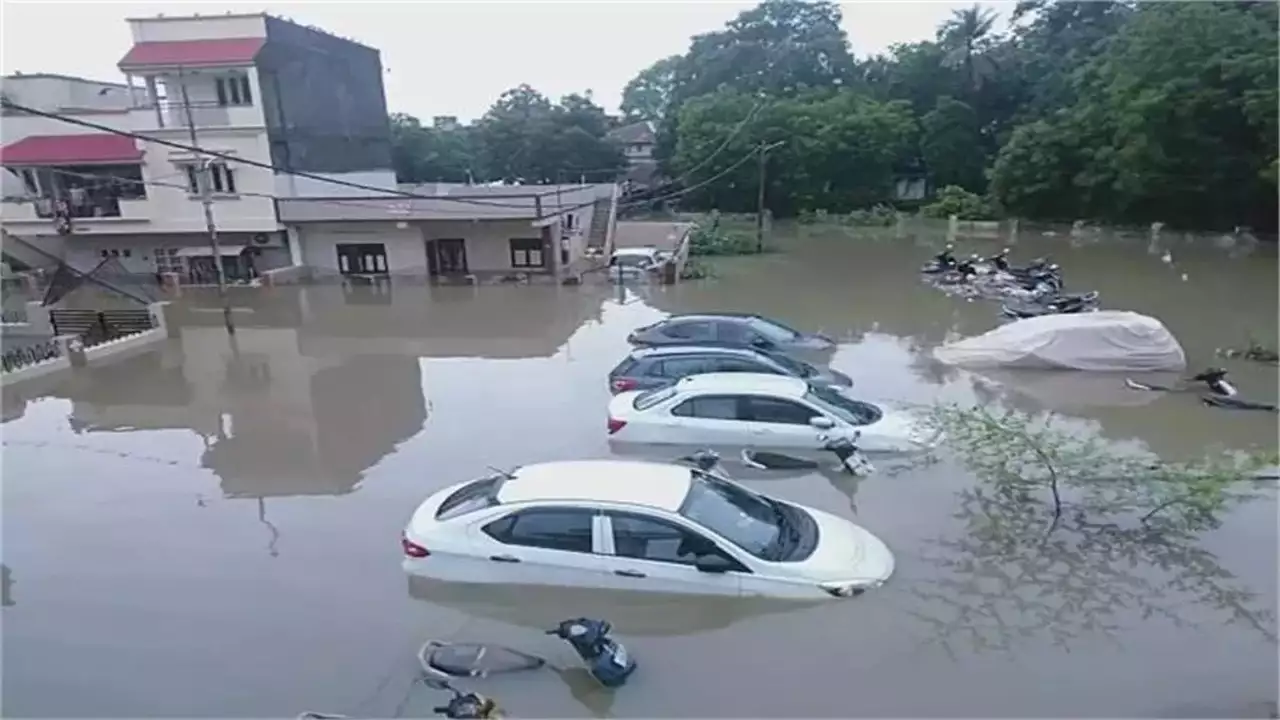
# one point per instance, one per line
(254, 87)
(638, 140)
(454, 231)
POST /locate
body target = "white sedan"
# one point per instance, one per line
(626, 525)
(759, 411)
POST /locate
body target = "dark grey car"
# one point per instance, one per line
(734, 330)
(648, 368)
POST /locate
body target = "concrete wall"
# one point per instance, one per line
(326, 109)
(84, 253)
(55, 93)
(294, 186)
(207, 27)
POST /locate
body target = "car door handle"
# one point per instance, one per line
(504, 558)
(629, 573)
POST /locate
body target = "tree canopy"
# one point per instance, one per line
(1114, 111)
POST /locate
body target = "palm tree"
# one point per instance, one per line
(966, 38)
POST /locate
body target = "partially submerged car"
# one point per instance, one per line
(638, 526)
(760, 411)
(636, 261)
(1108, 340)
(654, 367)
(732, 329)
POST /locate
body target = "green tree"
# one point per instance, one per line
(647, 95)
(951, 145)
(426, 154)
(525, 137)
(966, 38)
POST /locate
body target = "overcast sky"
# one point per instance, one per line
(454, 58)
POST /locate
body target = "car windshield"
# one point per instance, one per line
(738, 515)
(631, 260)
(790, 364)
(646, 400)
(772, 330)
(845, 407)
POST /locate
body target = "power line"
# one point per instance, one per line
(708, 181)
(252, 163)
(732, 134)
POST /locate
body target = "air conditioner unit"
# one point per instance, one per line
(273, 239)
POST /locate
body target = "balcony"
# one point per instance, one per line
(171, 114)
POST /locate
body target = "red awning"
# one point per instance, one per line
(71, 150)
(192, 53)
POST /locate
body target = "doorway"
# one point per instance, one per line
(451, 256)
(362, 258)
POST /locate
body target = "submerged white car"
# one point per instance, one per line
(640, 526)
(758, 410)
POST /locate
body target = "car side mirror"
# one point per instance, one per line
(713, 564)
(821, 423)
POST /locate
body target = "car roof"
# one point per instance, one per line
(694, 349)
(657, 485)
(747, 383)
(715, 316)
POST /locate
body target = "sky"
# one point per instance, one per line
(455, 58)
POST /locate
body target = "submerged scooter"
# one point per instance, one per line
(464, 706)
(606, 659)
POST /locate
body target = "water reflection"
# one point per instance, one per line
(640, 614)
(1002, 579)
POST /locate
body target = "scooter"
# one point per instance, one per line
(852, 460)
(606, 659)
(941, 262)
(464, 706)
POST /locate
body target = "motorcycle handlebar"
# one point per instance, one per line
(440, 709)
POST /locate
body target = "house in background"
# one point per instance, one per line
(255, 87)
(637, 140)
(454, 231)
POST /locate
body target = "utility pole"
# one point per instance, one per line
(204, 179)
(764, 153)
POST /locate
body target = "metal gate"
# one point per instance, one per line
(96, 326)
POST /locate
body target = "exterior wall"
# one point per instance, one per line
(172, 209)
(294, 186)
(488, 242)
(58, 93)
(406, 251)
(84, 253)
(202, 92)
(326, 108)
(206, 27)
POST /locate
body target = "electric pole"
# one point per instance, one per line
(764, 153)
(204, 181)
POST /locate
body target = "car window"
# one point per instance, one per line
(688, 329)
(733, 364)
(549, 528)
(733, 512)
(774, 331)
(685, 366)
(846, 408)
(712, 407)
(796, 367)
(777, 410)
(646, 400)
(646, 538)
(476, 495)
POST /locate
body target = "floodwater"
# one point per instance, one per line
(213, 529)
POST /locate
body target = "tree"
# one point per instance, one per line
(966, 38)
(647, 95)
(951, 145)
(525, 137)
(424, 154)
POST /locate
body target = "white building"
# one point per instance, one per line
(257, 88)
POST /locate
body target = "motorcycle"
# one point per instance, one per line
(941, 262)
(464, 706)
(850, 456)
(606, 659)
(1052, 305)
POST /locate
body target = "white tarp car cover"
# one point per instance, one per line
(1109, 340)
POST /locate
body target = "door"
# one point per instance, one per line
(655, 555)
(451, 256)
(780, 423)
(362, 258)
(705, 420)
(540, 546)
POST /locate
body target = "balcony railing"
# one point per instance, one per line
(85, 207)
(204, 113)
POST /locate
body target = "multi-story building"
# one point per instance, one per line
(274, 95)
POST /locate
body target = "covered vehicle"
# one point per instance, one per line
(1110, 340)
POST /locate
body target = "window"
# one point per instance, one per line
(526, 253)
(646, 400)
(777, 332)
(476, 495)
(688, 330)
(777, 410)
(843, 406)
(684, 367)
(126, 252)
(167, 261)
(711, 407)
(645, 538)
(568, 221)
(565, 529)
(735, 513)
(729, 364)
(221, 178)
(233, 90)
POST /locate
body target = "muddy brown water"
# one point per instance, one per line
(213, 530)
